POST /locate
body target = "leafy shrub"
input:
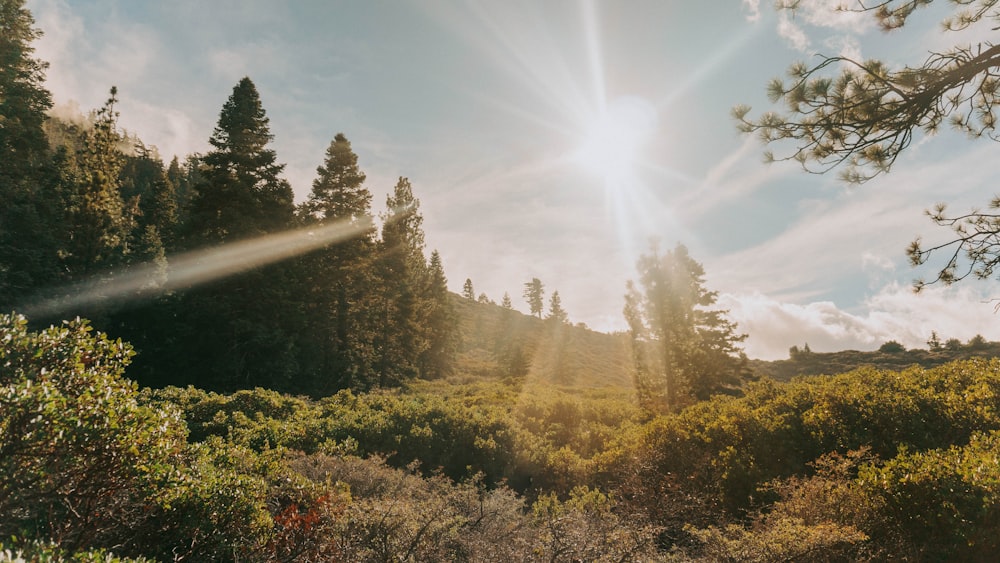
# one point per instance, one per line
(944, 502)
(82, 459)
(892, 347)
(396, 515)
(586, 527)
(45, 552)
(722, 453)
(823, 517)
(88, 463)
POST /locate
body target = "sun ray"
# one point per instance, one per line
(595, 57)
(189, 269)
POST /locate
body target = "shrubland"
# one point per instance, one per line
(866, 465)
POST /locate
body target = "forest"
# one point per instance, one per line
(194, 367)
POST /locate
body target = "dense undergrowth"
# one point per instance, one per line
(867, 465)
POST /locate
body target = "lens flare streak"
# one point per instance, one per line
(185, 270)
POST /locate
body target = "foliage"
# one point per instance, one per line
(891, 347)
(682, 349)
(867, 465)
(79, 453)
(24, 160)
(97, 218)
(47, 552)
(534, 295)
(819, 517)
(242, 193)
(867, 114)
(722, 454)
(531, 437)
(945, 502)
(861, 115)
(586, 528)
(88, 463)
(556, 312)
(337, 280)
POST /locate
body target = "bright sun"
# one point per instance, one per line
(614, 140)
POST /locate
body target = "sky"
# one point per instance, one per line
(499, 114)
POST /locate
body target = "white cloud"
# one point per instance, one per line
(829, 239)
(814, 17)
(752, 8)
(846, 46)
(894, 313)
(832, 14)
(792, 32)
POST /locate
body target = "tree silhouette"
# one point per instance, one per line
(534, 294)
(682, 348)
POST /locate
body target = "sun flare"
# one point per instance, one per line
(614, 141)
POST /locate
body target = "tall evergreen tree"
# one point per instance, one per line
(184, 177)
(242, 193)
(556, 311)
(534, 294)
(682, 347)
(241, 331)
(438, 324)
(467, 291)
(338, 192)
(144, 179)
(97, 219)
(27, 212)
(404, 276)
(340, 287)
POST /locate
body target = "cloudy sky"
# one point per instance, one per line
(498, 113)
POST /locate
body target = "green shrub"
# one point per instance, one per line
(82, 459)
(44, 552)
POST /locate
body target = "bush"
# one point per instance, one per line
(82, 459)
(44, 552)
(721, 454)
(892, 347)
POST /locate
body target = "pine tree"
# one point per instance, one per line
(934, 342)
(403, 270)
(242, 193)
(467, 291)
(505, 302)
(859, 115)
(556, 312)
(97, 220)
(682, 348)
(534, 294)
(184, 177)
(29, 212)
(242, 331)
(338, 192)
(340, 285)
(143, 178)
(439, 323)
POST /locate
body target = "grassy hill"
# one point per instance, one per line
(498, 342)
(828, 363)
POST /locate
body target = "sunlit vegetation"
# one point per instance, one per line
(344, 406)
(865, 465)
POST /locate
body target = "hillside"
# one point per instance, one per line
(828, 363)
(495, 342)
(498, 342)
